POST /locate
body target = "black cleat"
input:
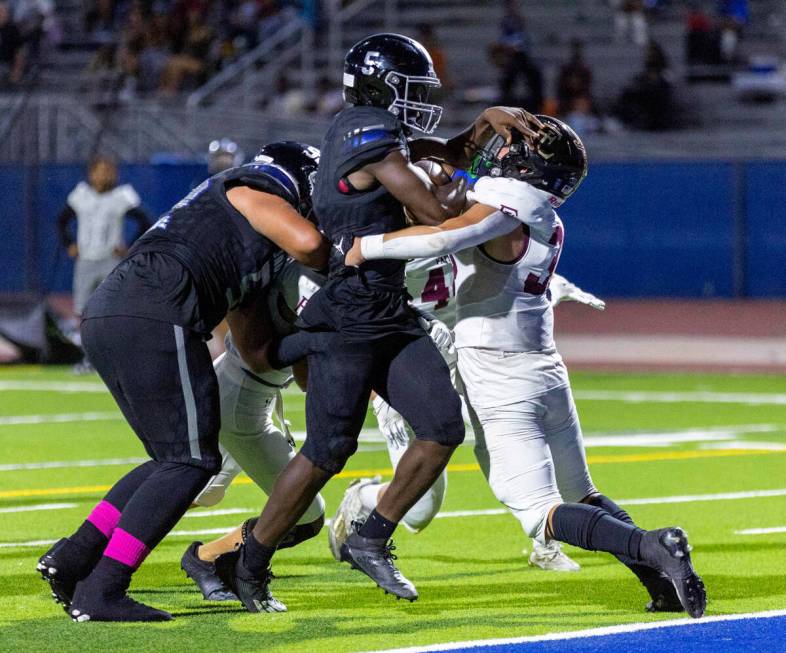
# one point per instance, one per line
(662, 593)
(667, 550)
(204, 575)
(254, 593)
(374, 557)
(63, 566)
(91, 605)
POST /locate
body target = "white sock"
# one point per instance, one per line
(369, 495)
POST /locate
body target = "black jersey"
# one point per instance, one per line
(205, 248)
(357, 137)
(370, 302)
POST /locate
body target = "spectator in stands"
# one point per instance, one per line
(701, 38)
(575, 78)
(734, 16)
(630, 21)
(648, 102)
(12, 49)
(191, 61)
(37, 23)
(101, 20)
(511, 53)
(330, 98)
(286, 99)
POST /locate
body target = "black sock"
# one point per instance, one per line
(89, 538)
(376, 526)
(109, 576)
(256, 556)
(647, 575)
(594, 529)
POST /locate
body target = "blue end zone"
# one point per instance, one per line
(754, 635)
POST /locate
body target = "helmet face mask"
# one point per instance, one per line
(294, 166)
(395, 73)
(411, 101)
(556, 162)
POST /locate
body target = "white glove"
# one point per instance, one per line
(563, 290)
(442, 337)
(391, 423)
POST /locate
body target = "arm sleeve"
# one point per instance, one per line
(63, 225)
(141, 219)
(439, 242)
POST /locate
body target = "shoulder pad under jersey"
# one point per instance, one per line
(367, 135)
(263, 177)
(515, 198)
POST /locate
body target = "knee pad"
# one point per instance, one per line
(420, 515)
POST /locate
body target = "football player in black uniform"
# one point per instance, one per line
(358, 332)
(212, 255)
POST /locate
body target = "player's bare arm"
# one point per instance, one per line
(275, 219)
(460, 149)
(397, 175)
(251, 332)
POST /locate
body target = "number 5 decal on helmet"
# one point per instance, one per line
(370, 63)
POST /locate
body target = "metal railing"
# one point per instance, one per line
(295, 30)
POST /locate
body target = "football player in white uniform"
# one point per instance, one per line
(432, 283)
(515, 382)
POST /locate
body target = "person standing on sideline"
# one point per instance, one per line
(99, 206)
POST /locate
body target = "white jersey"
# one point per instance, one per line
(505, 306)
(99, 218)
(431, 282)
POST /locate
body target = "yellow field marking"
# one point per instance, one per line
(462, 467)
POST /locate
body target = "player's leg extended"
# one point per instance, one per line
(575, 484)
(171, 400)
(596, 523)
(417, 384)
(339, 383)
(362, 495)
(251, 441)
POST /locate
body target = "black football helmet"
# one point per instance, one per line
(293, 165)
(555, 161)
(395, 73)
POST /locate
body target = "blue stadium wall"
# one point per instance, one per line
(655, 229)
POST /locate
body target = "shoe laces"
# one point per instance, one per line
(387, 551)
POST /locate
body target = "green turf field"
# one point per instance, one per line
(712, 435)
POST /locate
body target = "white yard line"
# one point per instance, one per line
(590, 632)
(57, 418)
(67, 464)
(646, 396)
(52, 386)
(39, 506)
(761, 531)
(220, 512)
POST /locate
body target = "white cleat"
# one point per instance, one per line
(550, 557)
(350, 509)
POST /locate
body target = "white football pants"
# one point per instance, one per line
(250, 441)
(531, 451)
